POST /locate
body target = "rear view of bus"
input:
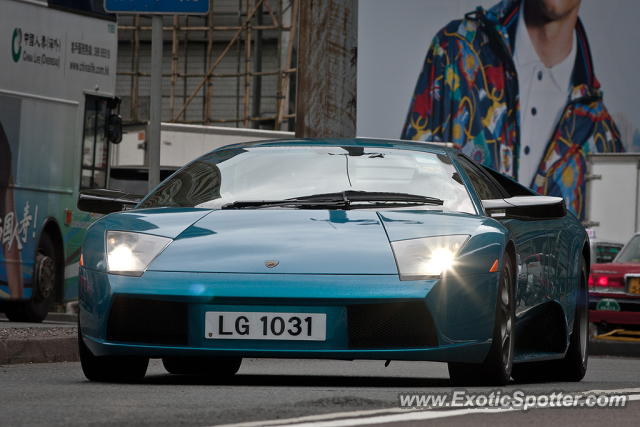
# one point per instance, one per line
(57, 118)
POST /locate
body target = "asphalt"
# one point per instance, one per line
(58, 394)
(265, 389)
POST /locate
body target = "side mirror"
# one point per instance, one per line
(106, 201)
(526, 208)
(114, 129)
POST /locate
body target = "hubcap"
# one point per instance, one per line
(45, 272)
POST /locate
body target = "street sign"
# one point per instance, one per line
(169, 7)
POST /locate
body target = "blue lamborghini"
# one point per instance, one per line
(337, 248)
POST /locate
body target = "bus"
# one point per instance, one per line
(58, 118)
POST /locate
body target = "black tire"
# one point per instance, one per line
(573, 366)
(202, 365)
(45, 285)
(116, 369)
(497, 366)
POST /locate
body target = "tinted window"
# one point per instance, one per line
(485, 188)
(92, 6)
(631, 251)
(95, 147)
(279, 173)
(510, 186)
(133, 180)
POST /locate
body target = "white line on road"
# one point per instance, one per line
(393, 415)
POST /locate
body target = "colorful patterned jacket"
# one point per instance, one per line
(467, 93)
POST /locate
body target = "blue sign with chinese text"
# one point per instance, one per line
(173, 7)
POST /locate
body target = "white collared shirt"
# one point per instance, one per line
(544, 93)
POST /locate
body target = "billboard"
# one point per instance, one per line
(527, 88)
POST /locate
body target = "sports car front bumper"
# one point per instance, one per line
(163, 313)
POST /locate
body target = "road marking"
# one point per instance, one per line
(412, 416)
(321, 417)
(393, 415)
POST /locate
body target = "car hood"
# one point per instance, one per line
(303, 241)
(300, 241)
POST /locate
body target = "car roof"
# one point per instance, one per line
(436, 148)
(604, 241)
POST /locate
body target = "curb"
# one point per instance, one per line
(39, 350)
(599, 347)
(62, 317)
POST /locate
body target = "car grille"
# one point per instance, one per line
(391, 325)
(145, 321)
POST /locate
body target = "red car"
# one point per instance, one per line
(614, 290)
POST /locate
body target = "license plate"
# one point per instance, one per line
(265, 326)
(634, 285)
(608, 305)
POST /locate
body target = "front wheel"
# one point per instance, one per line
(45, 277)
(496, 368)
(117, 369)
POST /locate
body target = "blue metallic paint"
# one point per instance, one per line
(462, 303)
(462, 321)
(303, 241)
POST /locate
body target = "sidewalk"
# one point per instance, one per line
(54, 340)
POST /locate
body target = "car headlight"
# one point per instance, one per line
(428, 257)
(129, 254)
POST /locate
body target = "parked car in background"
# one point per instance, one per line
(602, 250)
(614, 290)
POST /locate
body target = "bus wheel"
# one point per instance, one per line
(43, 287)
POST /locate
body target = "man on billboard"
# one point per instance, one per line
(513, 87)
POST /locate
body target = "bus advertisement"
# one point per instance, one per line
(58, 115)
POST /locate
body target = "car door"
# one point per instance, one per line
(564, 260)
(531, 240)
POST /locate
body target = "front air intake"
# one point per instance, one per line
(146, 321)
(391, 325)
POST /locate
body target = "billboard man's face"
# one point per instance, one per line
(554, 10)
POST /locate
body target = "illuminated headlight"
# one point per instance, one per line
(129, 254)
(427, 258)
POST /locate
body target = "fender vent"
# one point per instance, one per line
(145, 321)
(391, 325)
(544, 332)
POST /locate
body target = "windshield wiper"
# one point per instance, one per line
(342, 199)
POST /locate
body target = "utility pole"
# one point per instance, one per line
(155, 107)
(157, 9)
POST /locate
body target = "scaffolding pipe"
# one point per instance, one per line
(207, 105)
(247, 65)
(217, 62)
(285, 85)
(174, 63)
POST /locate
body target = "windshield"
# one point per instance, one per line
(631, 251)
(224, 177)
